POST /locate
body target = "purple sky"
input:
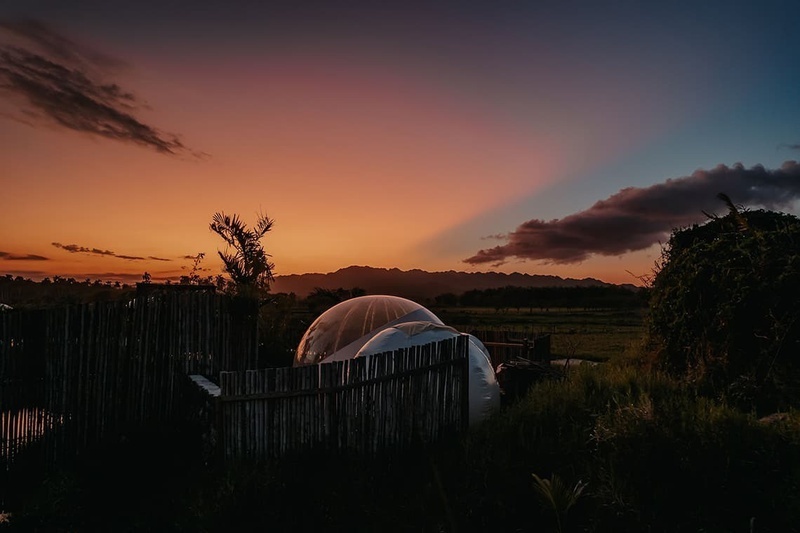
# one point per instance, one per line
(402, 135)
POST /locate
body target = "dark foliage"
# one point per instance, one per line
(320, 300)
(725, 307)
(280, 328)
(612, 297)
(654, 455)
(245, 260)
(20, 292)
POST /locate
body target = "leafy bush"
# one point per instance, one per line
(724, 306)
(655, 456)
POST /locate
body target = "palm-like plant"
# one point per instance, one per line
(558, 496)
(245, 260)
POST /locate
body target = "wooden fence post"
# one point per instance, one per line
(462, 349)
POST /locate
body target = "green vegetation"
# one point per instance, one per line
(653, 453)
(725, 308)
(668, 435)
(245, 261)
(558, 497)
(505, 298)
(592, 334)
(22, 292)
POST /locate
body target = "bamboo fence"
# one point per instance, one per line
(374, 404)
(73, 376)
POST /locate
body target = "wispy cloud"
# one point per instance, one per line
(636, 218)
(8, 256)
(53, 79)
(75, 249)
(33, 274)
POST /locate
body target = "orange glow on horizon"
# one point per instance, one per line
(359, 163)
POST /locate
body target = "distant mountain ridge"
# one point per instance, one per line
(420, 284)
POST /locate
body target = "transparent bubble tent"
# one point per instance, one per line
(372, 325)
(338, 333)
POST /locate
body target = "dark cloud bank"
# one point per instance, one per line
(55, 80)
(75, 249)
(636, 218)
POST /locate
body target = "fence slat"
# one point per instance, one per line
(369, 405)
(73, 376)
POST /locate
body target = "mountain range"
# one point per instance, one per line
(419, 284)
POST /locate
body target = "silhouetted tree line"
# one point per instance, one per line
(320, 300)
(543, 298)
(18, 291)
(284, 318)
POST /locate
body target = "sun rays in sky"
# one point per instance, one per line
(538, 139)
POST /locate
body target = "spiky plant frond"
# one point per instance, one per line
(557, 495)
(245, 260)
(734, 211)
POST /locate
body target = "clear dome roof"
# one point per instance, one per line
(342, 330)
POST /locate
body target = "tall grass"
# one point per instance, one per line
(655, 456)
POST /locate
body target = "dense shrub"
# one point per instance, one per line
(724, 306)
(656, 457)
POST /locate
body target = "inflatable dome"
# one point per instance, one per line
(483, 389)
(338, 333)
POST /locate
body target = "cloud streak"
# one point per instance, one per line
(75, 249)
(55, 80)
(636, 218)
(8, 256)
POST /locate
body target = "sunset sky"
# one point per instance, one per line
(561, 138)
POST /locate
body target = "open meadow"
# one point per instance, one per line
(591, 334)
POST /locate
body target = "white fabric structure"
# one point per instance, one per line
(483, 390)
(375, 324)
(338, 333)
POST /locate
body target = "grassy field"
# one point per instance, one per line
(593, 334)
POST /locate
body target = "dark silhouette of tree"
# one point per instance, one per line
(194, 277)
(446, 299)
(22, 293)
(607, 297)
(320, 300)
(246, 262)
